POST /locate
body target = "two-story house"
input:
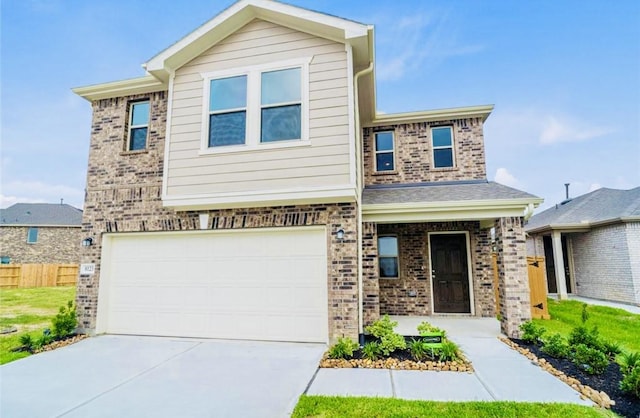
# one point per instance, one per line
(246, 188)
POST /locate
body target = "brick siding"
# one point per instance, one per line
(55, 245)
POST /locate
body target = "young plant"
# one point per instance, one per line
(65, 322)
(389, 341)
(449, 351)
(589, 337)
(584, 316)
(419, 350)
(531, 333)
(343, 349)
(611, 348)
(425, 328)
(630, 382)
(27, 342)
(556, 346)
(629, 361)
(589, 359)
(371, 351)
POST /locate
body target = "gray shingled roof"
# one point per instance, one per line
(601, 205)
(441, 192)
(41, 214)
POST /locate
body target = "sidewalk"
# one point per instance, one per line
(629, 308)
(501, 374)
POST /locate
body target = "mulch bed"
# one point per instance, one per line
(607, 382)
(56, 344)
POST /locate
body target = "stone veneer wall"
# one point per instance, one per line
(413, 153)
(513, 280)
(55, 245)
(606, 262)
(124, 195)
(410, 294)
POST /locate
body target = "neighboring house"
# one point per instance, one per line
(591, 245)
(40, 233)
(246, 188)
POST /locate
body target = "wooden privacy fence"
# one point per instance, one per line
(38, 275)
(537, 286)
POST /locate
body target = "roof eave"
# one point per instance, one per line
(140, 85)
(481, 111)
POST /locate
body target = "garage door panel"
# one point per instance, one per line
(261, 284)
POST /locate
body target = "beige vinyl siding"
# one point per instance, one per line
(322, 162)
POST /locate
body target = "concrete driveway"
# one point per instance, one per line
(129, 376)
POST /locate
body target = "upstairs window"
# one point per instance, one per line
(388, 257)
(281, 105)
(32, 235)
(138, 125)
(228, 111)
(442, 141)
(384, 150)
(262, 105)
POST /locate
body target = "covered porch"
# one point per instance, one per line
(427, 256)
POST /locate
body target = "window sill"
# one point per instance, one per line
(444, 169)
(235, 149)
(136, 152)
(385, 173)
(388, 278)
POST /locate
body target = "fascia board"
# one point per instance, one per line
(140, 85)
(482, 111)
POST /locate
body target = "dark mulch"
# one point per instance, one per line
(608, 382)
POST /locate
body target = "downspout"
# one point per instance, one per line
(359, 161)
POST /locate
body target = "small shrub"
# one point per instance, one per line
(66, 321)
(611, 348)
(343, 349)
(426, 328)
(556, 346)
(584, 316)
(630, 382)
(419, 350)
(371, 351)
(531, 333)
(589, 337)
(589, 359)
(629, 361)
(389, 340)
(27, 342)
(449, 351)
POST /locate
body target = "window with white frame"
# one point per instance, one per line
(388, 256)
(442, 144)
(261, 105)
(138, 125)
(384, 150)
(32, 235)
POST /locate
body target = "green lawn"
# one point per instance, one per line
(30, 310)
(614, 324)
(341, 407)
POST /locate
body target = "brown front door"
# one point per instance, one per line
(450, 274)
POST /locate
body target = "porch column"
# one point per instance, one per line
(370, 286)
(558, 260)
(513, 282)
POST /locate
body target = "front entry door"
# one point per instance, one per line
(450, 274)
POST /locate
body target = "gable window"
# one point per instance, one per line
(442, 141)
(388, 256)
(384, 149)
(138, 125)
(32, 235)
(260, 106)
(228, 111)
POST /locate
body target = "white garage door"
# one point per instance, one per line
(248, 284)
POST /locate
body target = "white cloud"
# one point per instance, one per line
(563, 129)
(39, 192)
(503, 176)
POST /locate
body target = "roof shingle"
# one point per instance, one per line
(41, 214)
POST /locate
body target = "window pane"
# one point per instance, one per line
(388, 246)
(443, 157)
(227, 129)
(281, 86)
(138, 139)
(388, 267)
(32, 235)
(281, 123)
(228, 93)
(384, 141)
(441, 137)
(140, 114)
(384, 161)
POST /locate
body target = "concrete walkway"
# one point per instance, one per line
(501, 373)
(629, 308)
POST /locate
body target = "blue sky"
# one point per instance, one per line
(564, 77)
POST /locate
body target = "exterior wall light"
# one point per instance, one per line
(87, 242)
(340, 234)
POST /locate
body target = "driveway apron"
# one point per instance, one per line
(130, 376)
